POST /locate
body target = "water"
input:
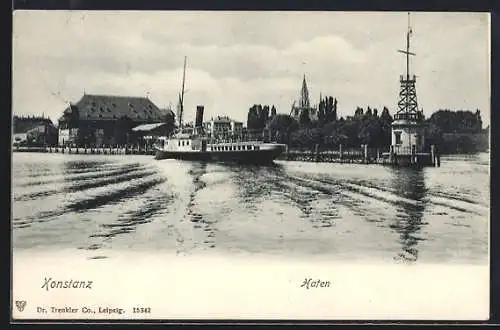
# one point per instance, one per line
(101, 204)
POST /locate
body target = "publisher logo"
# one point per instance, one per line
(20, 304)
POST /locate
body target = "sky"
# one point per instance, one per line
(237, 59)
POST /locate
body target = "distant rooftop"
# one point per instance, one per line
(22, 124)
(224, 119)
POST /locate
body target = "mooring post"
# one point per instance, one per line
(340, 151)
(365, 152)
(433, 155)
(391, 155)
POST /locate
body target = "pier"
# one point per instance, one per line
(111, 150)
(364, 155)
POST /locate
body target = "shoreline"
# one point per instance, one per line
(331, 156)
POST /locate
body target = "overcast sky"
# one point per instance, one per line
(237, 59)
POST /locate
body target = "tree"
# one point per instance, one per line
(386, 128)
(264, 116)
(282, 126)
(273, 112)
(329, 112)
(321, 112)
(331, 136)
(253, 118)
(304, 118)
(334, 110)
(348, 132)
(457, 121)
(358, 113)
(371, 132)
(169, 120)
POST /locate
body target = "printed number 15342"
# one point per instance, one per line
(142, 310)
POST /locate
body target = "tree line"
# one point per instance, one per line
(365, 126)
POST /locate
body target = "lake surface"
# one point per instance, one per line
(102, 204)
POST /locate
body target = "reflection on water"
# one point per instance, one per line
(410, 184)
(347, 212)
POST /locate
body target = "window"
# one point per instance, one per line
(249, 147)
(256, 147)
(114, 116)
(239, 147)
(187, 142)
(183, 143)
(397, 136)
(179, 143)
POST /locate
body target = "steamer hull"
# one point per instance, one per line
(266, 154)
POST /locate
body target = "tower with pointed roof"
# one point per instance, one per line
(304, 103)
(304, 95)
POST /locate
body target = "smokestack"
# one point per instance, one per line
(199, 116)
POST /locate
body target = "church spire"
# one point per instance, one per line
(304, 95)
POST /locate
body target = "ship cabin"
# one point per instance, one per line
(184, 142)
(232, 147)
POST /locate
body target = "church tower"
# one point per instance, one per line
(304, 95)
(304, 103)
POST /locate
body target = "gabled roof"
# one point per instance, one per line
(110, 107)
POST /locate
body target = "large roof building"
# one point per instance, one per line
(108, 107)
(107, 119)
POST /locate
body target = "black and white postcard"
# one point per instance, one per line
(250, 165)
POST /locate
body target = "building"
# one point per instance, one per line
(108, 120)
(223, 126)
(32, 130)
(304, 104)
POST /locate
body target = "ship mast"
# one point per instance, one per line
(182, 94)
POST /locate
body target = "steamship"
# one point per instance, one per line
(194, 144)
